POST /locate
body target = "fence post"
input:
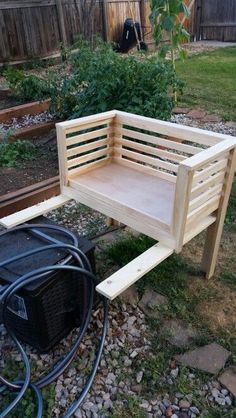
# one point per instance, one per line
(142, 16)
(104, 20)
(61, 21)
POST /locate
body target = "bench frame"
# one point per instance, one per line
(201, 164)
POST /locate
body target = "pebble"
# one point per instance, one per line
(174, 372)
(195, 410)
(139, 376)
(220, 401)
(215, 393)
(184, 404)
(228, 401)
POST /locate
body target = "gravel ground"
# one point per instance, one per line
(121, 373)
(219, 127)
(25, 121)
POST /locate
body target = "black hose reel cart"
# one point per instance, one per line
(47, 288)
(45, 311)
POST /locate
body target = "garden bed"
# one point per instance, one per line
(42, 167)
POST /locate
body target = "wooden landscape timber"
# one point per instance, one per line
(33, 108)
(29, 196)
(135, 170)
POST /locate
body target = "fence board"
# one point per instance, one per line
(34, 28)
(218, 20)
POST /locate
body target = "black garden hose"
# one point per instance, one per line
(82, 268)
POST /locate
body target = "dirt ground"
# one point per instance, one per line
(44, 166)
(219, 305)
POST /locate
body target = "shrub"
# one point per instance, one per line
(102, 80)
(12, 153)
(27, 87)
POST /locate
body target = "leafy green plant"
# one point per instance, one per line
(13, 153)
(102, 80)
(165, 19)
(27, 87)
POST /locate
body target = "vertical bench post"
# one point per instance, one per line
(215, 230)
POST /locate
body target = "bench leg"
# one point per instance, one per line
(211, 249)
(112, 222)
(215, 230)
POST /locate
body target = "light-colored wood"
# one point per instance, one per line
(164, 142)
(214, 232)
(143, 168)
(83, 137)
(114, 285)
(158, 152)
(209, 170)
(210, 182)
(210, 154)
(88, 147)
(34, 211)
(204, 197)
(181, 205)
(153, 186)
(210, 206)
(88, 157)
(136, 220)
(140, 192)
(199, 227)
(186, 133)
(149, 160)
(88, 121)
(90, 166)
(62, 160)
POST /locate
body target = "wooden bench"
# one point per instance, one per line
(165, 180)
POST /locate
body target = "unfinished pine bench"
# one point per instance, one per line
(165, 180)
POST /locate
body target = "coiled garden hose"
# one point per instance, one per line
(82, 267)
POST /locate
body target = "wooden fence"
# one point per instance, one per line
(35, 28)
(216, 20)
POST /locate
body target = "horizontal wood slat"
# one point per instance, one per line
(184, 133)
(155, 140)
(87, 136)
(210, 155)
(209, 170)
(74, 172)
(88, 147)
(150, 150)
(88, 157)
(204, 210)
(149, 160)
(210, 182)
(203, 198)
(129, 274)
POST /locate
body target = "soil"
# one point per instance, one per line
(44, 166)
(6, 102)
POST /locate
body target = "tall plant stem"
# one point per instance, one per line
(173, 60)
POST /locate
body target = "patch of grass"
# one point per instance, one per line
(169, 278)
(210, 82)
(13, 154)
(27, 406)
(130, 409)
(228, 277)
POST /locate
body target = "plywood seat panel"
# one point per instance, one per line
(142, 192)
